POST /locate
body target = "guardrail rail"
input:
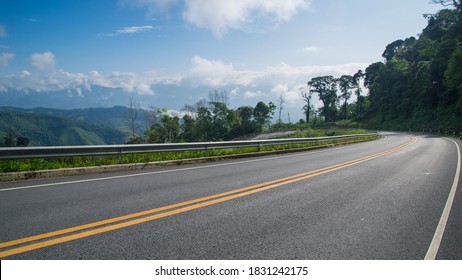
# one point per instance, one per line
(103, 150)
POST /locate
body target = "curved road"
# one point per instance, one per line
(377, 200)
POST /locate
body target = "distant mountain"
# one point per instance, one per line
(115, 117)
(167, 96)
(49, 127)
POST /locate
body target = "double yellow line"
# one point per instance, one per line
(73, 233)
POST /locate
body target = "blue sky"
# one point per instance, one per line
(168, 53)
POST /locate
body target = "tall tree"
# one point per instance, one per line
(204, 123)
(189, 129)
(305, 95)
(216, 96)
(281, 100)
(245, 113)
(326, 88)
(220, 125)
(261, 114)
(357, 86)
(132, 116)
(345, 84)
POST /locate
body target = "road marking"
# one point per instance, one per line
(157, 172)
(78, 232)
(438, 236)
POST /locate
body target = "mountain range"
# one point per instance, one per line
(52, 127)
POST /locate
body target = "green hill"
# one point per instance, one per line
(50, 130)
(114, 117)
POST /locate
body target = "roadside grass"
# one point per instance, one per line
(90, 161)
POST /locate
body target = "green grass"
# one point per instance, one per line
(71, 162)
(309, 133)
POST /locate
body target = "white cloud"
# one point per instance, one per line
(3, 33)
(311, 49)
(134, 29)
(215, 73)
(43, 61)
(221, 16)
(212, 73)
(79, 92)
(253, 94)
(129, 30)
(280, 89)
(266, 83)
(291, 93)
(5, 58)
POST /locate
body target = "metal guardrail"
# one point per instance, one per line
(102, 150)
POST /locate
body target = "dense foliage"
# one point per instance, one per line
(419, 83)
(210, 120)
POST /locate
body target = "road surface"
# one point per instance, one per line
(383, 199)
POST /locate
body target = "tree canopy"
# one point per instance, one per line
(419, 85)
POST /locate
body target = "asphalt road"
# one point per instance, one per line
(377, 200)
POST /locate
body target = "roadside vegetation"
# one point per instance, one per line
(72, 162)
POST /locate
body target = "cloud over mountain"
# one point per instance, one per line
(203, 73)
(43, 61)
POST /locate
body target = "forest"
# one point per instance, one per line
(418, 86)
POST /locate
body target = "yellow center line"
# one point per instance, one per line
(175, 209)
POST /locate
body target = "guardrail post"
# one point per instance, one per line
(206, 151)
(121, 155)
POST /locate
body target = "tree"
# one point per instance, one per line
(375, 79)
(189, 129)
(22, 141)
(245, 113)
(261, 114)
(204, 123)
(326, 88)
(221, 97)
(132, 116)
(305, 95)
(220, 125)
(281, 100)
(151, 116)
(357, 85)
(447, 3)
(419, 85)
(345, 83)
(391, 49)
(9, 139)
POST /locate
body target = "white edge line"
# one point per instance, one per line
(438, 236)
